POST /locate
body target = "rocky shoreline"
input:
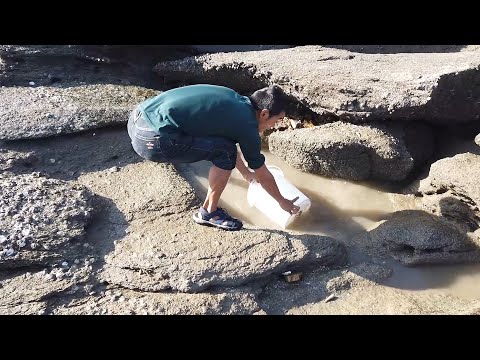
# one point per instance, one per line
(79, 236)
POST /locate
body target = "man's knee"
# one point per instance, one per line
(226, 155)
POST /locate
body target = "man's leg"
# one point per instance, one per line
(217, 180)
(223, 155)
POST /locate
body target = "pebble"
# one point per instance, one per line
(21, 243)
(330, 297)
(10, 252)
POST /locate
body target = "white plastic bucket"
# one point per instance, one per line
(259, 198)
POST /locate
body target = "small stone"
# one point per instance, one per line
(292, 277)
(26, 232)
(65, 264)
(21, 243)
(295, 123)
(10, 252)
(3, 239)
(114, 169)
(31, 83)
(76, 261)
(52, 161)
(477, 140)
(260, 312)
(86, 245)
(330, 297)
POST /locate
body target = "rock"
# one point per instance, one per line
(355, 152)
(436, 87)
(28, 293)
(10, 159)
(54, 204)
(417, 237)
(240, 257)
(233, 48)
(47, 111)
(477, 139)
(451, 190)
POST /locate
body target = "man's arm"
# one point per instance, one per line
(266, 179)
(243, 169)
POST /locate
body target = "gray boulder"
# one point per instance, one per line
(174, 253)
(355, 152)
(451, 190)
(437, 87)
(416, 237)
(38, 217)
(46, 111)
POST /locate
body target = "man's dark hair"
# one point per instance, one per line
(271, 98)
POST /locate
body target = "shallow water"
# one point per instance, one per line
(341, 209)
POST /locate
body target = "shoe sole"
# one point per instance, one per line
(208, 223)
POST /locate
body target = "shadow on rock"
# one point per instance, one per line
(69, 156)
(69, 65)
(106, 228)
(396, 49)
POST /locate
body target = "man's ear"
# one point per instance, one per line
(264, 114)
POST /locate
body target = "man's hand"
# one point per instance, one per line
(288, 205)
(244, 170)
(266, 179)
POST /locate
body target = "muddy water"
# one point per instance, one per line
(341, 209)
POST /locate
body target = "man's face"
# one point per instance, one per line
(265, 121)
